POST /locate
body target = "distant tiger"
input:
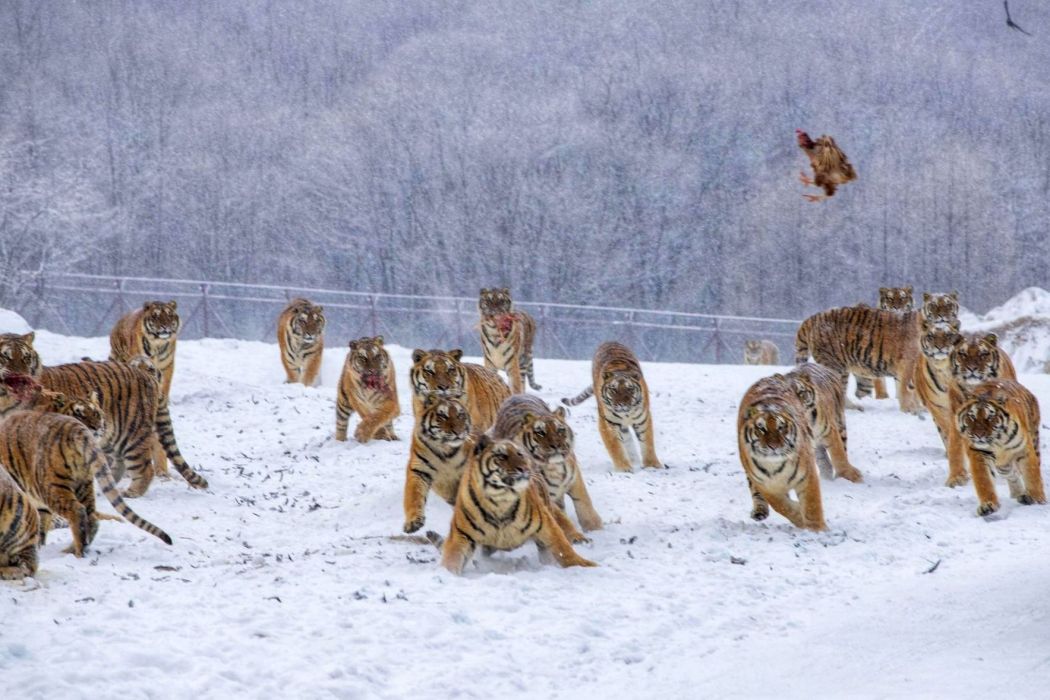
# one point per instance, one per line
(761, 352)
(775, 446)
(623, 405)
(547, 437)
(300, 335)
(507, 338)
(131, 403)
(151, 331)
(438, 455)
(445, 374)
(55, 459)
(19, 530)
(866, 342)
(940, 308)
(820, 391)
(890, 299)
(501, 504)
(368, 386)
(999, 423)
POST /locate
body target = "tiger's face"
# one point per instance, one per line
(940, 308)
(752, 350)
(503, 465)
(308, 323)
(975, 359)
(804, 390)
(368, 357)
(622, 391)
(160, 320)
(896, 299)
(17, 355)
(445, 419)
(769, 432)
(495, 302)
(438, 372)
(937, 341)
(984, 422)
(547, 438)
(88, 411)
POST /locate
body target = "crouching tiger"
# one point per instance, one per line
(776, 450)
(368, 386)
(506, 338)
(999, 422)
(502, 503)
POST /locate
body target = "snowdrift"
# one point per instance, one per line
(1023, 326)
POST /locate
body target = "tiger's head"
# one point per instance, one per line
(622, 390)
(752, 350)
(307, 321)
(940, 308)
(85, 409)
(17, 391)
(438, 372)
(368, 358)
(896, 298)
(975, 359)
(503, 466)
(495, 302)
(144, 364)
(547, 437)
(160, 320)
(984, 420)
(804, 389)
(444, 419)
(17, 355)
(769, 430)
(938, 340)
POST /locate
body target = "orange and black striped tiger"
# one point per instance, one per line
(56, 460)
(623, 405)
(19, 530)
(441, 444)
(502, 503)
(866, 342)
(547, 437)
(85, 409)
(130, 400)
(151, 331)
(507, 337)
(369, 387)
(445, 374)
(940, 308)
(300, 336)
(820, 391)
(890, 299)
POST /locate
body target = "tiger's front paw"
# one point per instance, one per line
(987, 508)
(956, 480)
(851, 473)
(1025, 500)
(760, 512)
(414, 524)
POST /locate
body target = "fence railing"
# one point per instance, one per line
(88, 305)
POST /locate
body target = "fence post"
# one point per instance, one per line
(718, 342)
(120, 296)
(204, 308)
(372, 315)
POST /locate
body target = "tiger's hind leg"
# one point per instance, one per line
(551, 536)
(824, 462)
(836, 450)
(160, 459)
(1032, 474)
(865, 386)
(530, 372)
(515, 375)
(880, 388)
(20, 563)
(139, 461)
(63, 501)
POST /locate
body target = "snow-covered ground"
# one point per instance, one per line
(283, 580)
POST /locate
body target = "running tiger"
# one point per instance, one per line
(623, 404)
(761, 352)
(507, 337)
(151, 331)
(820, 391)
(437, 457)
(300, 335)
(547, 437)
(129, 397)
(502, 503)
(443, 373)
(866, 342)
(19, 531)
(369, 387)
(55, 460)
(999, 422)
(776, 451)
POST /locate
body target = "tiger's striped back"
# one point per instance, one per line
(19, 530)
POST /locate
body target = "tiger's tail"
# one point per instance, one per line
(802, 343)
(528, 372)
(109, 489)
(167, 439)
(580, 398)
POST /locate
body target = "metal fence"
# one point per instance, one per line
(88, 305)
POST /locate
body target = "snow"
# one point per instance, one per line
(10, 322)
(283, 577)
(1023, 326)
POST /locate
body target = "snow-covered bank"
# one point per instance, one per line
(282, 578)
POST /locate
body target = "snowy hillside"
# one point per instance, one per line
(1023, 326)
(283, 578)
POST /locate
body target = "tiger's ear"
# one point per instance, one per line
(28, 338)
(483, 441)
(992, 339)
(146, 305)
(484, 291)
(456, 354)
(959, 340)
(954, 295)
(908, 290)
(353, 344)
(418, 355)
(506, 290)
(560, 412)
(925, 297)
(883, 290)
(319, 309)
(173, 304)
(379, 340)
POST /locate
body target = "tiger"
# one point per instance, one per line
(444, 373)
(441, 444)
(940, 308)
(623, 404)
(775, 446)
(160, 457)
(84, 409)
(890, 299)
(507, 337)
(300, 335)
(151, 331)
(977, 357)
(761, 352)
(933, 385)
(501, 504)
(55, 459)
(820, 391)
(368, 386)
(133, 409)
(547, 437)
(19, 531)
(999, 423)
(866, 342)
